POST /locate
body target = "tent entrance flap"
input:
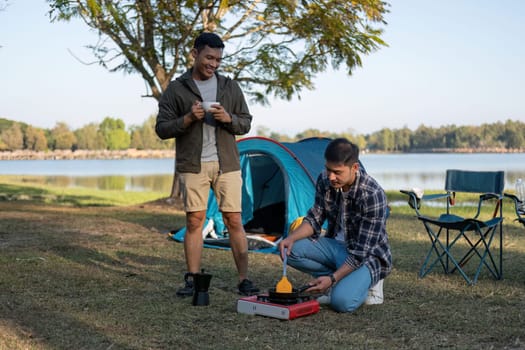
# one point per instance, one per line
(268, 196)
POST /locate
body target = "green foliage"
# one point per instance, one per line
(276, 47)
(5, 123)
(144, 136)
(118, 140)
(486, 137)
(35, 139)
(12, 137)
(514, 134)
(114, 133)
(495, 136)
(62, 137)
(89, 138)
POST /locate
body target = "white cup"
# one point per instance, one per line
(207, 105)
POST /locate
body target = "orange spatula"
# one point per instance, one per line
(284, 286)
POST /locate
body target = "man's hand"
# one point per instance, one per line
(285, 243)
(197, 112)
(220, 114)
(320, 284)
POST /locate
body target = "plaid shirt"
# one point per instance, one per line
(365, 214)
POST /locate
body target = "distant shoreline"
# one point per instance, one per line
(86, 154)
(169, 153)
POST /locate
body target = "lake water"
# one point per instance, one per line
(393, 171)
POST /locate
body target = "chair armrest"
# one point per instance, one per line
(517, 204)
(430, 197)
(511, 196)
(487, 196)
(415, 202)
(426, 197)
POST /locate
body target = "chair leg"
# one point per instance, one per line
(484, 241)
(494, 270)
(441, 251)
(434, 238)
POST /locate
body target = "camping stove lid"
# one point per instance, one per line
(265, 298)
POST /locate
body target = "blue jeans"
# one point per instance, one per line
(322, 257)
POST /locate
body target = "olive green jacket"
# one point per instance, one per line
(176, 102)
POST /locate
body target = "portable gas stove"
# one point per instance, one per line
(286, 309)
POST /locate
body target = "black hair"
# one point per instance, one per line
(208, 39)
(341, 151)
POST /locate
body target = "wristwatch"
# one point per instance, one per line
(332, 278)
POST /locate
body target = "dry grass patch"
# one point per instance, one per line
(105, 278)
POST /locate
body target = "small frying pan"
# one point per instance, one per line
(285, 298)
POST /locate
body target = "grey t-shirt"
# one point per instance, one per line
(208, 90)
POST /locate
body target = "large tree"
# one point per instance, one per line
(35, 139)
(114, 132)
(273, 47)
(62, 137)
(89, 137)
(12, 138)
(144, 137)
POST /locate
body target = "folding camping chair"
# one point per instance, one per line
(520, 212)
(478, 231)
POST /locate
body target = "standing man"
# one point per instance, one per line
(206, 152)
(354, 254)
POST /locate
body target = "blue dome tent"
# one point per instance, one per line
(278, 186)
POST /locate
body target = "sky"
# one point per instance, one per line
(458, 62)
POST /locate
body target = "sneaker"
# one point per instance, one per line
(375, 294)
(324, 299)
(246, 287)
(187, 290)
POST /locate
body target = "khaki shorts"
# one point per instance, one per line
(196, 188)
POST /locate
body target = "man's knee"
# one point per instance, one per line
(233, 221)
(351, 292)
(195, 220)
(345, 303)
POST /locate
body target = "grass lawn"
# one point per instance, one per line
(95, 270)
